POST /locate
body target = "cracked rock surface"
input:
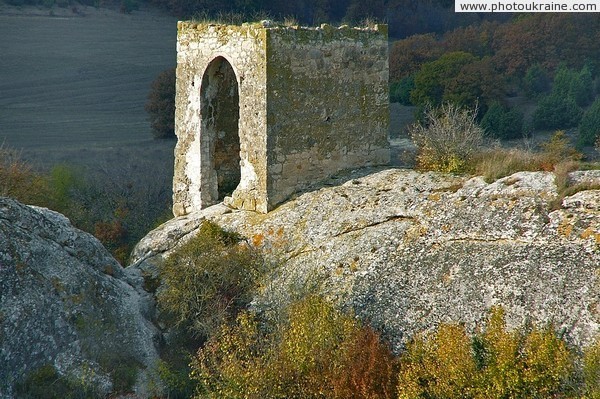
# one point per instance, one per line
(406, 250)
(65, 302)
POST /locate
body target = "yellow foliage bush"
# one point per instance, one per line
(591, 371)
(494, 364)
(318, 352)
(438, 365)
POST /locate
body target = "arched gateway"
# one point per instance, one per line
(219, 131)
(263, 111)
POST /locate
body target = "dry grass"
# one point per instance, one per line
(556, 155)
(18, 180)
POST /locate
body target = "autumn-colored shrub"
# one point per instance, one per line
(408, 55)
(476, 39)
(113, 236)
(231, 362)
(556, 155)
(18, 180)
(591, 371)
(495, 163)
(317, 352)
(494, 364)
(209, 279)
(558, 149)
(447, 139)
(438, 365)
(368, 368)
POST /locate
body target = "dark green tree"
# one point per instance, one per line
(536, 81)
(434, 77)
(589, 128)
(161, 105)
(400, 91)
(502, 122)
(556, 112)
(577, 85)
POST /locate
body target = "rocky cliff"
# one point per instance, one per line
(68, 310)
(408, 250)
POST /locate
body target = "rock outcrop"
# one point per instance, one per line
(68, 306)
(408, 250)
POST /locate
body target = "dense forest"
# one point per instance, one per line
(551, 60)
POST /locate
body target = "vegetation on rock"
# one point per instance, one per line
(494, 363)
(316, 352)
(209, 280)
(205, 284)
(319, 352)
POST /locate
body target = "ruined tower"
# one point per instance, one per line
(263, 111)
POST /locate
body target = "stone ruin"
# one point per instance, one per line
(263, 111)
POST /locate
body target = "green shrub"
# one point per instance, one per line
(161, 103)
(400, 91)
(589, 128)
(556, 112)
(176, 379)
(447, 139)
(209, 279)
(46, 383)
(63, 181)
(434, 77)
(502, 123)
(536, 81)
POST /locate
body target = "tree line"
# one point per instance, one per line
(550, 59)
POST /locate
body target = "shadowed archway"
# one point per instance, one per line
(220, 139)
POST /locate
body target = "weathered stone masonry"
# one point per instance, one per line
(263, 111)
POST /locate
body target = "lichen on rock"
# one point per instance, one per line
(407, 250)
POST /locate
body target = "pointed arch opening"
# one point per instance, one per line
(220, 139)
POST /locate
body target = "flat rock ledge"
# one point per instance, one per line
(406, 250)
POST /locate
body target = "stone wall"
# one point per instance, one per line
(195, 183)
(328, 104)
(300, 105)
